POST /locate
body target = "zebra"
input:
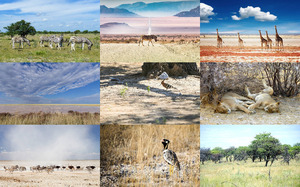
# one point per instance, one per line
(57, 41)
(76, 39)
(20, 40)
(45, 39)
(149, 38)
(170, 156)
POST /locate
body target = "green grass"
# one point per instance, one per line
(249, 174)
(35, 53)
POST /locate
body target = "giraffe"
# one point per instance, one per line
(219, 40)
(279, 41)
(263, 41)
(241, 42)
(269, 40)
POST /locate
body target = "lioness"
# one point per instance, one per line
(263, 99)
(232, 101)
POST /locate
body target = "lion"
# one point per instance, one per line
(232, 102)
(263, 99)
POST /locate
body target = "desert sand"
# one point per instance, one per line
(55, 178)
(252, 52)
(138, 105)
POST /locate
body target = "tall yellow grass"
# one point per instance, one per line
(70, 118)
(140, 147)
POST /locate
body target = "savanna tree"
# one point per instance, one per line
(295, 150)
(241, 153)
(21, 28)
(270, 146)
(228, 153)
(217, 154)
(204, 154)
(286, 154)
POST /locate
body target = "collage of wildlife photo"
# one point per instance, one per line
(149, 93)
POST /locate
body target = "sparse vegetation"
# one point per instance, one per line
(123, 90)
(132, 155)
(74, 118)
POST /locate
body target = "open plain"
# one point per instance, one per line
(168, 48)
(252, 52)
(58, 177)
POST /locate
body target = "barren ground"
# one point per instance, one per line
(230, 52)
(131, 52)
(56, 178)
(289, 114)
(137, 105)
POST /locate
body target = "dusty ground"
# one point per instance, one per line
(56, 178)
(230, 52)
(289, 114)
(131, 52)
(134, 104)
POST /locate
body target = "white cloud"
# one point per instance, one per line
(29, 82)
(255, 12)
(63, 10)
(205, 12)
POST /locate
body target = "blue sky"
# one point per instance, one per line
(225, 136)
(49, 142)
(249, 16)
(50, 83)
(54, 15)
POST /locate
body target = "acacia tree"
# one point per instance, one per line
(270, 147)
(217, 154)
(21, 28)
(241, 153)
(204, 154)
(228, 153)
(294, 150)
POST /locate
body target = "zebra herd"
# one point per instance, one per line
(49, 169)
(53, 39)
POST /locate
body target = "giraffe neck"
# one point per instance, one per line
(260, 35)
(277, 35)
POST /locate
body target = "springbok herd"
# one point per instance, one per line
(49, 169)
(53, 39)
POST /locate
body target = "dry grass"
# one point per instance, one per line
(70, 118)
(250, 174)
(132, 155)
(35, 53)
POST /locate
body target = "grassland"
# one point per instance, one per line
(35, 53)
(131, 155)
(72, 118)
(249, 174)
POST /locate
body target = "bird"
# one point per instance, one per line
(170, 157)
(166, 85)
